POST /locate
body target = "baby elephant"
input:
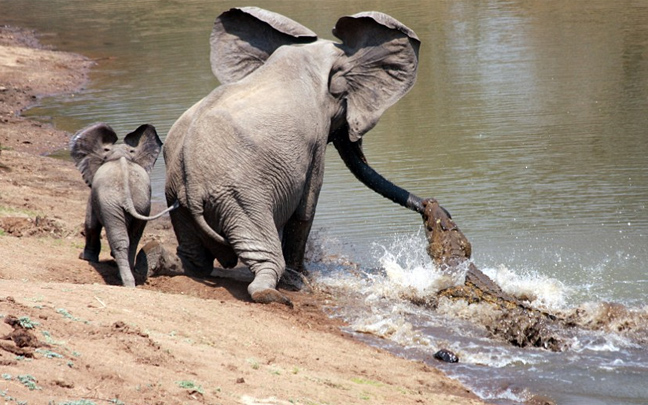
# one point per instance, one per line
(120, 196)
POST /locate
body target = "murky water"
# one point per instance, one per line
(528, 122)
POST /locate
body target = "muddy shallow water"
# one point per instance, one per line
(527, 122)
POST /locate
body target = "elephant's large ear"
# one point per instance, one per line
(378, 68)
(147, 146)
(244, 38)
(89, 147)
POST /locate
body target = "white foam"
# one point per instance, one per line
(390, 300)
(414, 280)
(394, 328)
(405, 271)
(406, 281)
(492, 356)
(540, 291)
(463, 310)
(506, 394)
(408, 269)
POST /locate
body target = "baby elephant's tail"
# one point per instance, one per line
(130, 207)
(131, 210)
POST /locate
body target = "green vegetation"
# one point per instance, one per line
(49, 340)
(28, 381)
(67, 315)
(190, 385)
(254, 363)
(10, 211)
(49, 354)
(27, 323)
(363, 381)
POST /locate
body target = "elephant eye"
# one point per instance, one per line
(106, 149)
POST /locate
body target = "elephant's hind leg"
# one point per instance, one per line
(256, 242)
(197, 259)
(225, 255)
(92, 229)
(119, 241)
(136, 231)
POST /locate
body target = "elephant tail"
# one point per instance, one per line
(195, 205)
(130, 206)
(132, 211)
(208, 230)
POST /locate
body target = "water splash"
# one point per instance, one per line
(393, 304)
(395, 328)
(408, 275)
(539, 290)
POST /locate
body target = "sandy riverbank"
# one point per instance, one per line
(172, 341)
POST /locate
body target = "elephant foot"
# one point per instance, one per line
(90, 257)
(263, 291)
(294, 280)
(128, 281)
(271, 295)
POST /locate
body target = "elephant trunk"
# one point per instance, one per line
(352, 155)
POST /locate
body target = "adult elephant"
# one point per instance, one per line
(246, 163)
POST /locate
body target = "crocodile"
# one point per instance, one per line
(517, 322)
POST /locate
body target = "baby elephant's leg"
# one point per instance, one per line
(92, 229)
(119, 244)
(135, 233)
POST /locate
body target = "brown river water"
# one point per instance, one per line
(528, 122)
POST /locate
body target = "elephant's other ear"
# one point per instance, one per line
(378, 68)
(147, 146)
(244, 38)
(89, 147)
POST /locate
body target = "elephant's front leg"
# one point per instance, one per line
(295, 236)
(298, 227)
(92, 229)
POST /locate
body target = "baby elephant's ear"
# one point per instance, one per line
(89, 147)
(146, 144)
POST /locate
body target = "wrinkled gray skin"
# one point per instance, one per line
(120, 196)
(246, 163)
